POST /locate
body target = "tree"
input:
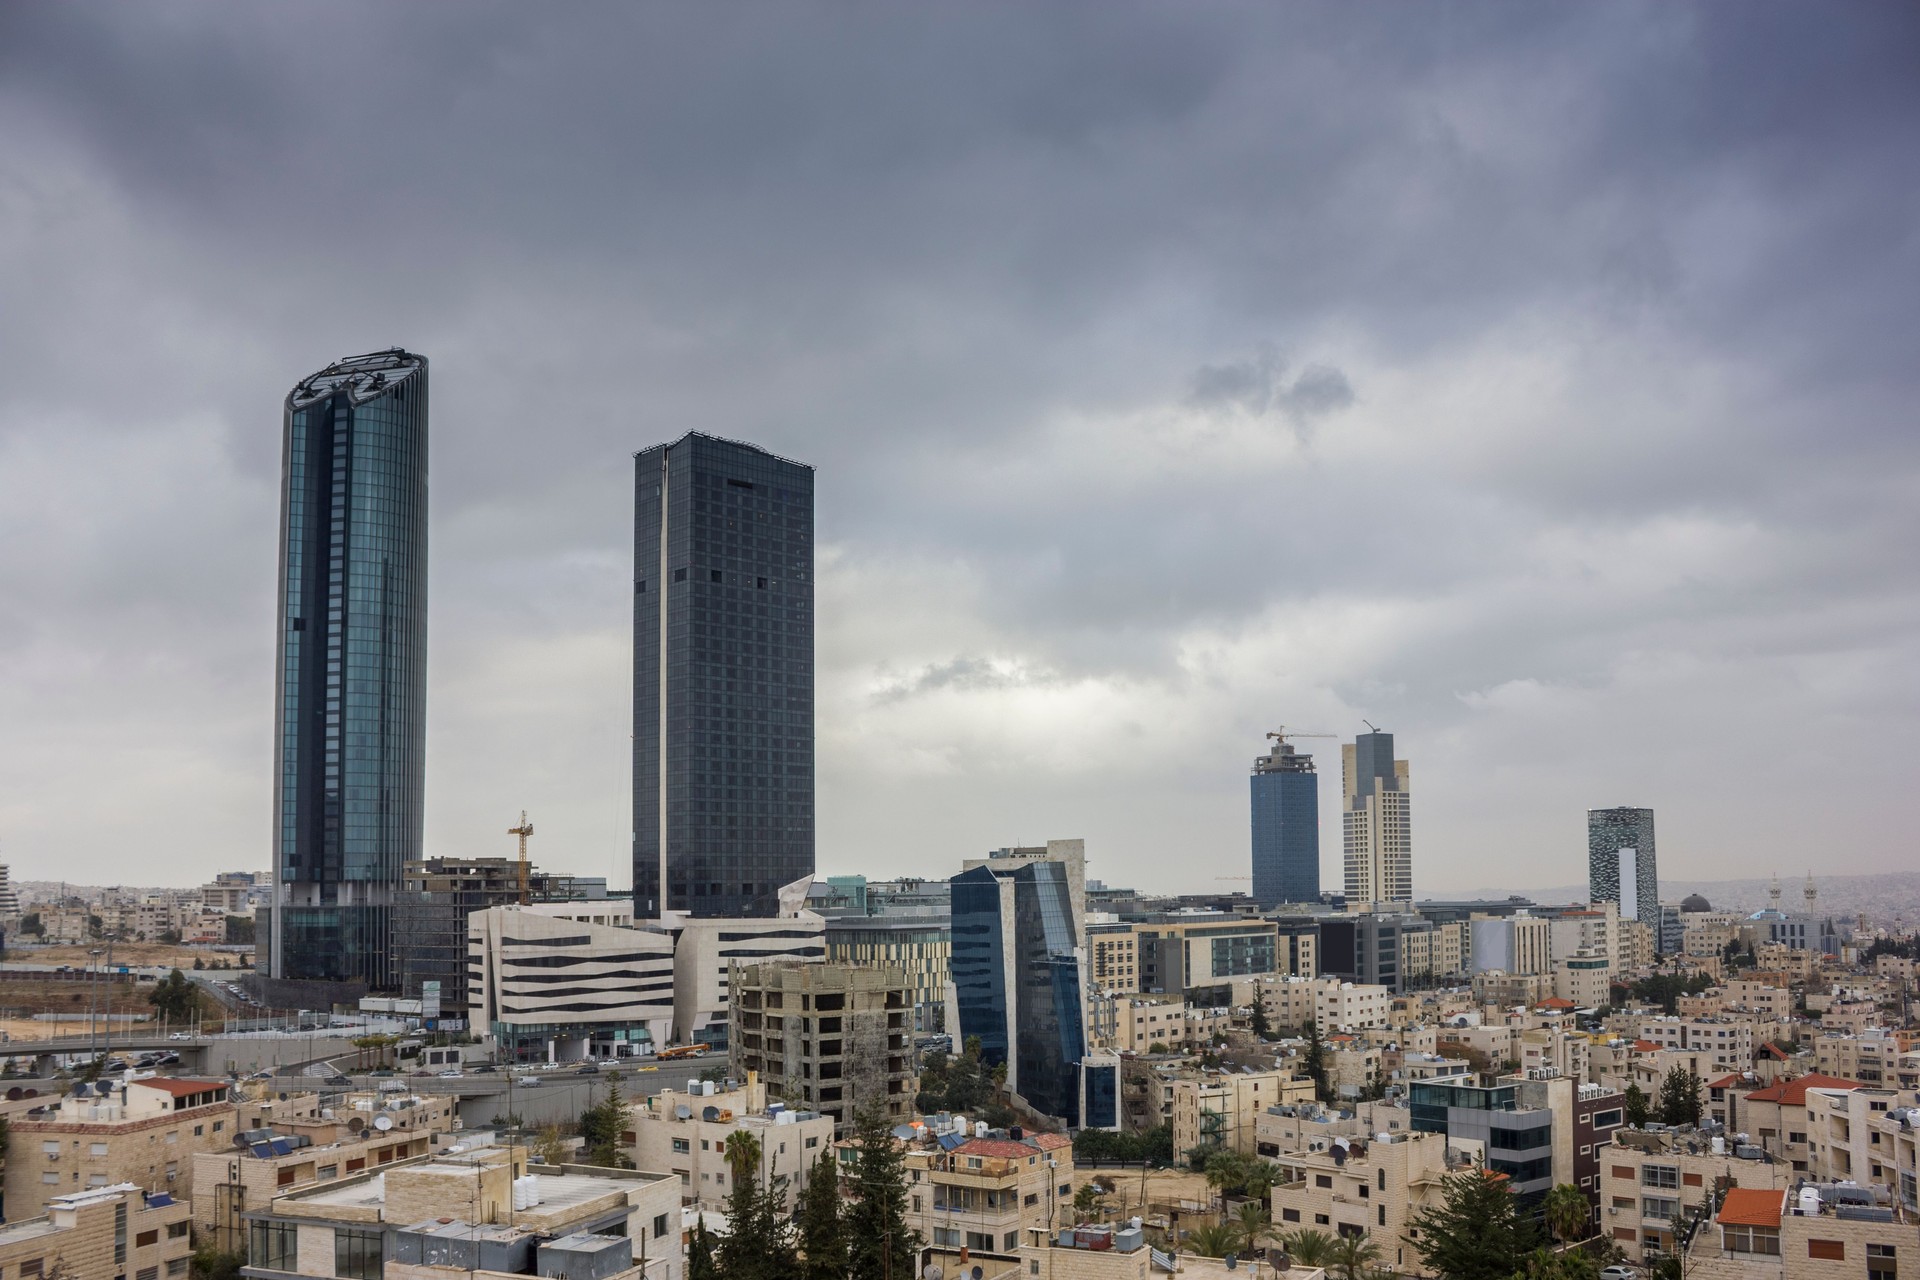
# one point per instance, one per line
(210, 1263)
(1638, 1109)
(1474, 1233)
(759, 1241)
(601, 1128)
(174, 997)
(1158, 1046)
(32, 926)
(1354, 1255)
(199, 962)
(1257, 1022)
(700, 1263)
(1569, 1216)
(823, 1233)
(1253, 1224)
(1229, 1171)
(963, 1084)
(1680, 1097)
(552, 1146)
(1154, 1146)
(881, 1244)
(1214, 1239)
(1307, 1247)
(1086, 1201)
(1315, 1061)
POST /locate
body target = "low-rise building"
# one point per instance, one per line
(1776, 1117)
(686, 1134)
(1218, 1109)
(984, 1193)
(1647, 1178)
(116, 1230)
(370, 1225)
(829, 1038)
(1822, 1232)
(1366, 1188)
(140, 1132)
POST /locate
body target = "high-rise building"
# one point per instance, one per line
(1620, 862)
(1375, 822)
(723, 628)
(1286, 826)
(350, 725)
(1017, 965)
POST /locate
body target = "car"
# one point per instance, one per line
(420, 1074)
(1618, 1273)
(485, 1069)
(180, 1035)
(340, 1081)
(646, 1068)
(589, 1069)
(451, 1073)
(383, 1071)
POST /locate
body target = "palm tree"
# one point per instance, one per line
(1354, 1255)
(1214, 1240)
(742, 1155)
(1308, 1247)
(1568, 1215)
(1252, 1223)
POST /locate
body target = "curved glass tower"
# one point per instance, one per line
(350, 719)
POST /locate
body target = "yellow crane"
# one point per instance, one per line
(524, 830)
(1281, 735)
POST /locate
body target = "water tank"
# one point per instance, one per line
(526, 1191)
(1719, 1146)
(1809, 1202)
(980, 1128)
(706, 1088)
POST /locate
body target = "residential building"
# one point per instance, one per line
(1017, 957)
(552, 988)
(1648, 1178)
(723, 741)
(9, 898)
(982, 1194)
(1776, 1116)
(1509, 1123)
(1218, 1109)
(1864, 1136)
(1726, 1043)
(1819, 1233)
(831, 1038)
(490, 1200)
(1376, 824)
(1519, 944)
(1286, 826)
(921, 947)
(1585, 978)
(686, 1134)
(1367, 1188)
(1115, 951)
(1620, 862)
(350, 725)
(142, 1132)
(117, 1230)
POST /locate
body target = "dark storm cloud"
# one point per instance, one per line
(1509, 371)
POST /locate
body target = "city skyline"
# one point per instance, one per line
(1516, 383)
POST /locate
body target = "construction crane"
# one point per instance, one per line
(524, 830)
(1281, 735)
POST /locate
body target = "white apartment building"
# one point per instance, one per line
(686, 1134)
(1376, 824)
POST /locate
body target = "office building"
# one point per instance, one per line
(1375, 822)
(1017, 972)
(1190, 951)
(350, 727)
(706, 951)
(722, 678)
(1286, 826)
(563, 982)
(919, 946)
(830, 1038)
(1620, 862)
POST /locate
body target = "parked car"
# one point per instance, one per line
(1618, 1272)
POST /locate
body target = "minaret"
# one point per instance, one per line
(1773, 895)
(1810, 892)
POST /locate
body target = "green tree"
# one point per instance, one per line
(1473, 1233)
(1315, 1062)
(700, 1262)
(1258, 1022)
(880, 1243)
(1638, 1109)
(1229, 1171)
(1569, 1216)
(1253, 1224)
(1680, 1097)
(1307, 1247)
(552, 1146)
(823, 1231)
(210, 1263)
(601, 1128)
(759, 1241)
(1214, 1239)
(1086, 1201)
(1353, 1256)
(1553, 1264)
(957, 1084)
(31, 925)
(174, 997)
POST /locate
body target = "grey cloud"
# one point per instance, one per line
(966, 674)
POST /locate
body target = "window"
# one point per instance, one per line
(1763, 1240)
(1880, 1262)
(176, 1230)
(1659, 1175)
(356, 1254)
(178, 1266)
(50, 1179)
(1832, 1250)
(679, 575)
(980, 1240)
(1011, 1241)
(1660, 1207)
(146, 1238)
(32, 1267)
(659, 1225)
(96, 1148)
(273, 1246)
(147, 1273)
(1322, 1180)
(1290, 1215)
(681, 1146)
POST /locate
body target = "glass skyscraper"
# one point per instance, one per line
(350, 717)
(1286, 826)
(1620, 863)
(722, 677)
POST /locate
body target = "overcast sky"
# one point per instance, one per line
(1538, 382)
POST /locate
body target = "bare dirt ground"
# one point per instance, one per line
(129, 953)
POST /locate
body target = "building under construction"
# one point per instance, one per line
(832, 1038)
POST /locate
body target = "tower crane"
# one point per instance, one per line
(524, 830)
(1281, 735)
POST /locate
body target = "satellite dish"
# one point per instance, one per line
(932, 1271)
(683, 1112)
(979, 1273)
(710, 1114)
(383, 1123)
(356, 1124)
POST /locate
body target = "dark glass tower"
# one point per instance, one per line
(723, 624)
(350, 722)
(1286, 826)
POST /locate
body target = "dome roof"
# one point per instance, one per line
(1694, 902)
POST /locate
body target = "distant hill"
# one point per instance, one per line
(1892, 898)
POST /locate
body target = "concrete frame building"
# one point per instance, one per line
(830, 1038)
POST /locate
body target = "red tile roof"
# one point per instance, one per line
(1752, 1207)
(1648, 1046)
(181, 1088)
(1007, 1149)
(1793, 1093)
(1726, 1082)
(1554, 1002)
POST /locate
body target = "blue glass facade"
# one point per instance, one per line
(350, 720)
(722, 677)
(977, 962)
(1286, 827)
